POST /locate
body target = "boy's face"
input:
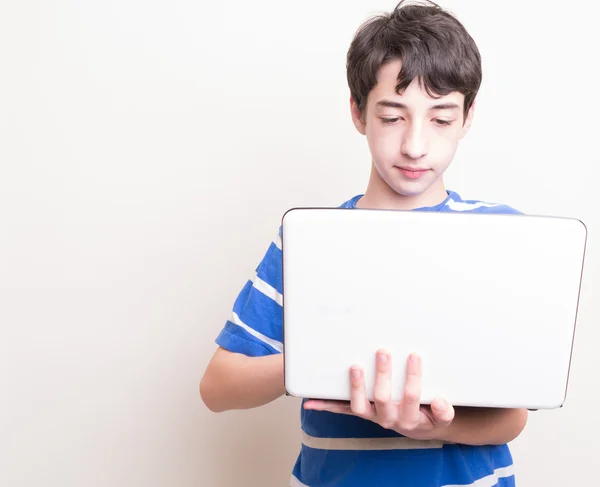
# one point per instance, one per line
(412, 137)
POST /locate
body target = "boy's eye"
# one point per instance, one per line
(443, 122)
(390, 120)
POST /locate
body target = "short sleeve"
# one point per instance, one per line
(256, 324)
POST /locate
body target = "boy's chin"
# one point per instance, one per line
(411, 191)
(419, 188)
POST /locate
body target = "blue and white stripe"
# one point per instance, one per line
(499, 478)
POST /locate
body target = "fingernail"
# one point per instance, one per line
(355, 373)
(382, 358)
(414, 358)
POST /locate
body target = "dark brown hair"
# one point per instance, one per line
(432, 44)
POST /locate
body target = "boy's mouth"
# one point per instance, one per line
(412, 173)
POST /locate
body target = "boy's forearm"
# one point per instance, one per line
(235, 381)
(485, 426)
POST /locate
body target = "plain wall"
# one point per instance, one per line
(147, 152)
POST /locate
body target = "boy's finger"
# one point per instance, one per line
(359, 405)
(382, 390)
(411, 398)
(342, 407)
(443, 412)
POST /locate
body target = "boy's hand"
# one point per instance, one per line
(407, 417)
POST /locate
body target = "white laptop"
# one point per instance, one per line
(488, 301)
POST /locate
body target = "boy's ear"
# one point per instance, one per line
(357, 117)
(468, 120)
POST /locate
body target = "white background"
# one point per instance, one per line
(147, 152)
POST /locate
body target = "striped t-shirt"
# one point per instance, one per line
(346, 451)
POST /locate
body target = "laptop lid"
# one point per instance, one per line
(489, 302)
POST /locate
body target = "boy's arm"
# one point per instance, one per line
(236, 381)
(484, 426)
(246, 371)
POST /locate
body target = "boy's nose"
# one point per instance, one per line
(414, 144)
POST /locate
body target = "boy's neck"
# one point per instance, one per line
(379, 195)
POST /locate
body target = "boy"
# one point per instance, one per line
(413, 76)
